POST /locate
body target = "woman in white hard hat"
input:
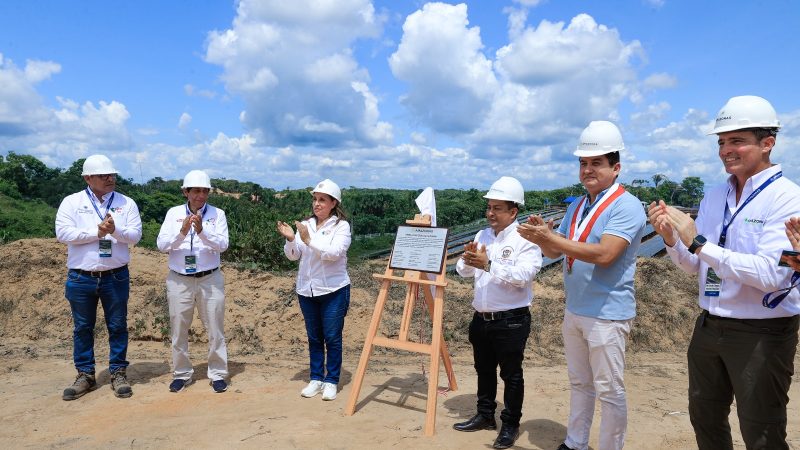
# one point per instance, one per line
(323, 286)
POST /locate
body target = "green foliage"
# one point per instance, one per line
(688, 193)
(30, 191)
(21, 218)
(150, 231)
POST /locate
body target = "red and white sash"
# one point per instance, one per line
(583, 230)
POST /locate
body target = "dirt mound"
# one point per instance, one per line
(263, 316)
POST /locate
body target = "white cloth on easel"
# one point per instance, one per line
(426, 202)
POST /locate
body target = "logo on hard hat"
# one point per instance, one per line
(723, 118)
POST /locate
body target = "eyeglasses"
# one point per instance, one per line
(105, 176)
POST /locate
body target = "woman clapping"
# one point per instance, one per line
(323, 286)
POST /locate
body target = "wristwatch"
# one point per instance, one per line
(697, 242)
(488, 265)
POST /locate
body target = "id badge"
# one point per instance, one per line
(105, 248)
(190, 263)
(713, 284)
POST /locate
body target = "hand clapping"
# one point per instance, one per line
(286, 231)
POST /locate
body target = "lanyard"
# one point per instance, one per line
(598, 209)
(724, 234)
(202, 212)
(784, 292)
(108, 206)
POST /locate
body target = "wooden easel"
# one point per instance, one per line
(436, 349)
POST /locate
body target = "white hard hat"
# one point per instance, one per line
(196, 178)
(746, 111)
(599, 138)
(327, 186)
(98, 165)
(507, 188)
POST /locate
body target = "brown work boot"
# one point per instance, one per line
(120, 385)
(84, 383)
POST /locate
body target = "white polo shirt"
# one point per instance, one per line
(748, 263)
(77, 225)
(323, 262)
(205, 246)
(508, 284)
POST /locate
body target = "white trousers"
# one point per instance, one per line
(595, 351)
(208, 294)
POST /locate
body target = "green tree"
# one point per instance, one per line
(693, 187)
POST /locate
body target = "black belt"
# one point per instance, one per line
(199, 274)
(767, 321)
(100, 273)
(497, 315)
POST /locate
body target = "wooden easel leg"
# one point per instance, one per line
(433, 380)
(350, 408)
(445, 353)
(408, 311)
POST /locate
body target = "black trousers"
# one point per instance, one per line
(751, 360)
(500, 342)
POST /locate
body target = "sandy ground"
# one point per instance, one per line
(263, 407)
(268, 365)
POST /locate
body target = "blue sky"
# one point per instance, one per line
(402, 94)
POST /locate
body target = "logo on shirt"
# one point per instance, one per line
(116, 210)
(326, 232)
(506, 252)
(754, 224)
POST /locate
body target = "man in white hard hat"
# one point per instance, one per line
(599, 237)
(195, 234)
(98, 224)
(503, 265)
(745, 339)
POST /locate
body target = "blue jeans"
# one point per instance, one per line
(83, 293)
(324, 317)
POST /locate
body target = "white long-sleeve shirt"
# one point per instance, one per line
(748, 263)
(515, 262)
(77, 226)
(323, 262)
(206, 246)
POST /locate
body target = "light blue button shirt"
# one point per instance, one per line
(606, 292)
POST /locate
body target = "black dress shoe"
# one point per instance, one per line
(477, 422)
(507, 437)
(563, 446)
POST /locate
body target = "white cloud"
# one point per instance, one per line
(651, 115)
(184, 120)
(292, 64)
(36, 71)
(660, 81)
(57, 136)
(541, 90)
(21, 107)
(192, 91)
(451, 83)
(552, 52)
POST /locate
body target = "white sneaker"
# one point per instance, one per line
(313, 388)
(328, 391)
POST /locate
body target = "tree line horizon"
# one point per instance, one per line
(30, 193)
